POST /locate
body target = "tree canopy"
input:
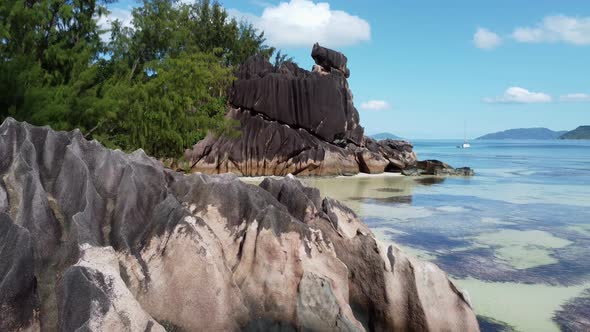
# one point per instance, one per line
(160, 84)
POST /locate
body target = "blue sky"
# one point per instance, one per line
(420, 69)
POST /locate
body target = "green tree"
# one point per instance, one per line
(48, 47)
(159, 84)
(173, 109)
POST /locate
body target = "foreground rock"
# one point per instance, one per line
(98, 240)
(293, 121)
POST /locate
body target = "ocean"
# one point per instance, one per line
(516, 236)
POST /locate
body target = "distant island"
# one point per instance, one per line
(582, 132)
(381, 136)
(525, 133)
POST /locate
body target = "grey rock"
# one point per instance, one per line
(19, 301)
(99, 240)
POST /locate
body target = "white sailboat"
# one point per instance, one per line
(465, 144)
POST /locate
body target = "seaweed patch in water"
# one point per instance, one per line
(430, 241)
(488, 324)
(453, 237)
(389, 190)
(575, 314)
(406, 199)
(431, 180)
(482, 264)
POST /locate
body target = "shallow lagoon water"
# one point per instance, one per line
(516, 236)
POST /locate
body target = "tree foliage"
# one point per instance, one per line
(159, 84)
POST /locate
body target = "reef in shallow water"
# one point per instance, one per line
(575, 314)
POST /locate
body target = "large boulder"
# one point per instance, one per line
(329, 59)
(320, 104)
(299, 122)
(100, 240)
(399, 154)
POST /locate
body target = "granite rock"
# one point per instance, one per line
(99, 240)
(299, 122)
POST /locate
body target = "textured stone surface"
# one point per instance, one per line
(19, 302)
(270, 148)
(99, 240)
(293, 121)
(321, 104)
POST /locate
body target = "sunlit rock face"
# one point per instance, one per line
(293, 121)
(100, 240)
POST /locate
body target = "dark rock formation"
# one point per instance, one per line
(99, 240)
(329, 59)
(270, 148)
(299, 122)
(399, 154)
(436, 167)
(319, 103)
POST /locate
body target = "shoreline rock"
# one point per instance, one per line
(437, 167)
(293, 121)
(101, 240)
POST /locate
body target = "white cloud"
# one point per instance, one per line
(105, 21)
(303, 22)
(486, 39)
(375, 105)
(575, 97)
(559, 28)
(516, 95)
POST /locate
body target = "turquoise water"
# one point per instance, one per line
(516, 236)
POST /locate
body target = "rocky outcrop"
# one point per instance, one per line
(330, 60)
(436, 167)
(270, 148)
(299, 122)
(99, 240)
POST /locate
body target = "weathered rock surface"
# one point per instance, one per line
(299, 122)
(99, 240)
(270, 148)
(320, 104)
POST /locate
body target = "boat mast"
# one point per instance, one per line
(464, 131)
